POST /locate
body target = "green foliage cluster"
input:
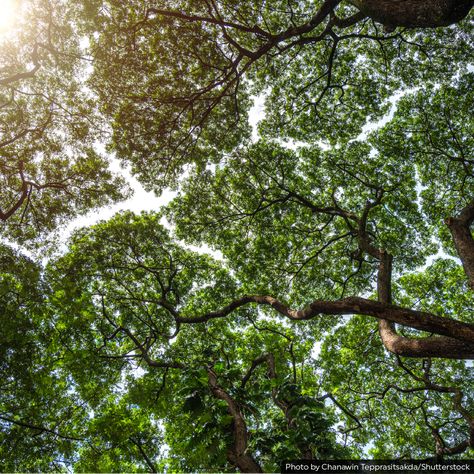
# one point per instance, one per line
(134, 350)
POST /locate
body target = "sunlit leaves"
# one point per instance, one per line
(50, 168)
(101, 368)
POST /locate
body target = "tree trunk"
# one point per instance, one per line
(415, 13)
(460, 227)
(237, 453)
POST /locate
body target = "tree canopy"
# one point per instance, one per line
(333, 317)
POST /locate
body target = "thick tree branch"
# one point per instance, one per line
(326, 9)
(463, 241)
(414, 13)
(441, 347)
(24, 192)
(447, 347)
(420, 320)
(237, 455)
(19, 76)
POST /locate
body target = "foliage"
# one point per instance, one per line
(333, 319)
(50, 168)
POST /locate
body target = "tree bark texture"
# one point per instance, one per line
(236, 454)
(352, 305)
(415, 13)
(460, 228)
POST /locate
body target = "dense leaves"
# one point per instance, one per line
(183, 71)
(308, 291)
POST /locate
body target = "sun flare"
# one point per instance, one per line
(8, 12)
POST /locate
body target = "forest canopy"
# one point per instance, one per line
(308, 291)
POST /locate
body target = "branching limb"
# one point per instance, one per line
(237, 455)
(147, 459)
(457, 396)
(463, 241)
(344, 410)
(24, 75)
(40, 429)
(146, 356)
(463, 332)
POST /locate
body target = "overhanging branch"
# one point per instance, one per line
(464, 332)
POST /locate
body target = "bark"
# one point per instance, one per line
(458, 342)
(237, 454)
(445, 347)
(353, 305)
(408, 347)
(384, 278)
(463, 241)
(415, 13)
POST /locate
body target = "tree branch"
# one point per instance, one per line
(463, 332)
(41, 429)
(463, 241)
(237, 455)
(148, 461)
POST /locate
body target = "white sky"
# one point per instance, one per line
(140, 201)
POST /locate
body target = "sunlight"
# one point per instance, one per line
(8, 11)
